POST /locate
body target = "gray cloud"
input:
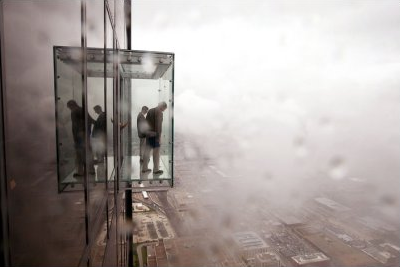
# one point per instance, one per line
(286, 89)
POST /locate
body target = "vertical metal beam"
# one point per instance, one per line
(86, 120)
(128, 192)
(172, 120)
(128, 21)
(128, 218)
(115, 133)
(105, 111)
(4, 220)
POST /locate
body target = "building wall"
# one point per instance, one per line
(47, 228)
(3, 197)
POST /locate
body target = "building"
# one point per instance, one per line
(393, 249)
(183, 201)
(376, 225)
(139, 207)
(314, 259)
(339, 252)
(199, 250)
(382, 256)
(266, 259)
(151, 257)
(331, 205)
(59, 60)
(289, 219)
(249, 244)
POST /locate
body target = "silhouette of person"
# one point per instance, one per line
(99, 134)
(78, 133)
(154, 119)
(142, 128)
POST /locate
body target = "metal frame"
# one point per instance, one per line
(5, 256)
(117, 244)
(117, 81)
(97, 216)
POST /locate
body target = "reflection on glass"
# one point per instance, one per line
(146, 79)
(68, 90)
(151, 77)
(70, 130)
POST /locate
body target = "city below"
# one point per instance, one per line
(194, 224)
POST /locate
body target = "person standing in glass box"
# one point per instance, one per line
(99, 134)
(78, 133)
(154, 119)
(142, 127)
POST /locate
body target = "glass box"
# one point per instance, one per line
(133, 79)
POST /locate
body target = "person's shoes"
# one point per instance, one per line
(141, 160)
(158, 172)
(146, 171)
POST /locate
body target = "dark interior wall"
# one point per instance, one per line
(31, 30)
(36, 212)
(4, 259)
(46, 228)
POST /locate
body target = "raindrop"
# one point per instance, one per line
(337, 169)
(300, 147)
(389, 200)
(148, 63)
(43, 38)
(268, 176)
(227, 221)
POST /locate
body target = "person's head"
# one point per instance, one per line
(97, 109)
(145, 109)
(71, 104)
(162, 106)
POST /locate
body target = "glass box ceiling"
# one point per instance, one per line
(132, 64)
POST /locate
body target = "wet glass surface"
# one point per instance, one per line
(146, 79)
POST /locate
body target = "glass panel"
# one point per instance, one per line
(120, 22)
(96, 107)
(146, 79)
(4, 258)
(110, 133)
(111, 7)
(95, 23)
(150, 76)
(69, 134)
(41, 220)
(110, 85)
(166, 95)
(69, 87)
(125, 110)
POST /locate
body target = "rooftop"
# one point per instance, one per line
(310, 258)
(249, 240)
(266, 257)
(289, 219)
(331, 204)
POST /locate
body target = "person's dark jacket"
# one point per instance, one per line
(78, 122)
(141, 125)
(154, 119)
(99, 127)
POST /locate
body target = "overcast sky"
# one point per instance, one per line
(281, 93)
(291, 89)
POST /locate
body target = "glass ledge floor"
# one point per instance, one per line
(130, 172)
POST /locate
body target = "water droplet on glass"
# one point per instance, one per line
(300, 147)
(337, 169)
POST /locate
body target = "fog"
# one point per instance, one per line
(288, 99)
(275, 103)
